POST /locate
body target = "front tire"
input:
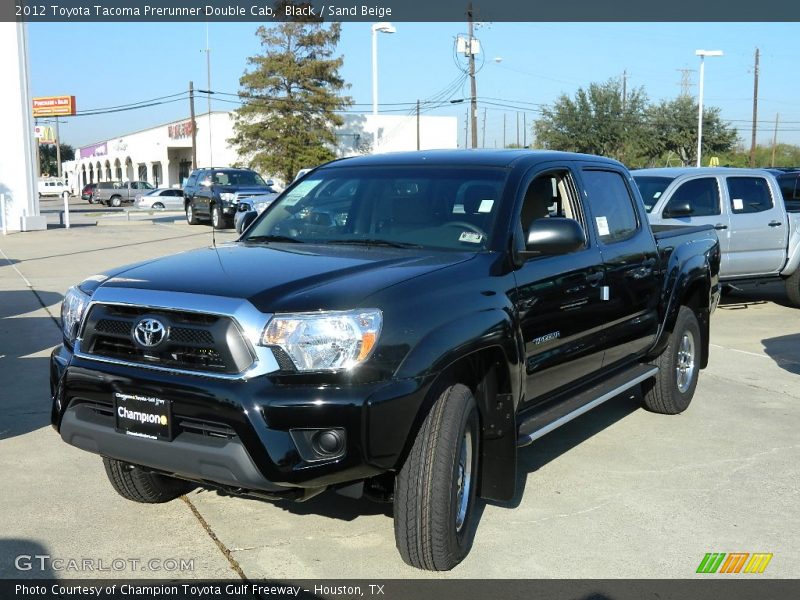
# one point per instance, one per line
(158, 206)
(115, 201)
(132, 483)
(435, 491)
(671, 391)
(217, 218)
(793, 288)
(191, 216)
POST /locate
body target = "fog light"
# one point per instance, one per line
(328, 442)
(319, 444)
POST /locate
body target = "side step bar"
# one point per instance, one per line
(544, 422)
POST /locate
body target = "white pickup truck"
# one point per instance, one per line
(760, 241)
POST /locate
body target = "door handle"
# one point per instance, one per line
(775, 223)
(720, 226)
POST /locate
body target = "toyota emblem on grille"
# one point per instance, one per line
(149, 332)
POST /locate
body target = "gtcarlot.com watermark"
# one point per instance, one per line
(45, 563)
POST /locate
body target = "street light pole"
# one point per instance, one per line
(702, 54)
(383, 28)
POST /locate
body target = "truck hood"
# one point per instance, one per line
(279, 278)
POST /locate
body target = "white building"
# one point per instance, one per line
(162, 155)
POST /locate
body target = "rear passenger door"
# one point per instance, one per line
(632, 287)
(759, 228)
(704, 196)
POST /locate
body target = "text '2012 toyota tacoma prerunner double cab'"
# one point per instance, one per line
(396, 326)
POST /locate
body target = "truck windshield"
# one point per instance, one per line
(651, 188)
(426, 207)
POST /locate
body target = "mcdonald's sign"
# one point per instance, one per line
(734, 562)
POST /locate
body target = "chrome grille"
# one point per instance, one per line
(194, 342)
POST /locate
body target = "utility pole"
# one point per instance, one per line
(517, 128)
(483, 136)
(624, 89)
(524, 130)
(194, 125)
(774, 140)
(417, 124)
(466, 130)
(473, 102)
(58, 149)
(755, 113)
(504, 130)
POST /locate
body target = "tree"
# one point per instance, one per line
(48, 159)
(291, 95)
(674, 129)
(597, 121)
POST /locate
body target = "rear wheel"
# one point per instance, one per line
(133, 483)
(671, 391)
(435, 491)
(793, 288)
(191, 216)
(158, 206)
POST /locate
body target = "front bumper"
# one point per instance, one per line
(251, 447)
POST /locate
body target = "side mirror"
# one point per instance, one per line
(554, 235)
(682, 209)
(247, 219)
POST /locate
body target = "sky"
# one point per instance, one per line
(521, 67)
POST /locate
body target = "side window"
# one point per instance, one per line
(550, 195)
(749, 194)
(612, 205)
(702, 195)
(787, 185)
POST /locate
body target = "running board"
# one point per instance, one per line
(543, 423)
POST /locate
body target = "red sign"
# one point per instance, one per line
(54, 106)
(181, 130)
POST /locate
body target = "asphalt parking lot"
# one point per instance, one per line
(617, 493)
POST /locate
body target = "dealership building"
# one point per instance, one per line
(162, 155)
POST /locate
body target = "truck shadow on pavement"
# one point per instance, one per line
(24, 559)
(328, 504)
(553, 445)
(785, 351)
(24, 361)
(752, 295)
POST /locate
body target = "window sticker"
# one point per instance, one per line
(738, 204)
(300, 191)
(470, 237)
(486, 206)
(657, 195)
(602, 226)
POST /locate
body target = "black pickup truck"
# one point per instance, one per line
(395, 326)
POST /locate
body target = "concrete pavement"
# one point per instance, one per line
(619, 492)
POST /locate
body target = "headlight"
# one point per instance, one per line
(72, 309)
(325, 341)
(262, 206)
(227, 196)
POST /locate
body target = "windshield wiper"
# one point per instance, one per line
(375, 242)
(273, 238)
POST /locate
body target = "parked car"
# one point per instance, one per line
(160, 199)
(251, 206)
(117, 193)
(381, 343)
(789, 182)
(88, 191)
(52, 187)
(760, 241)
(213, 194)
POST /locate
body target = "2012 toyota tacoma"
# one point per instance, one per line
(394, 325)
